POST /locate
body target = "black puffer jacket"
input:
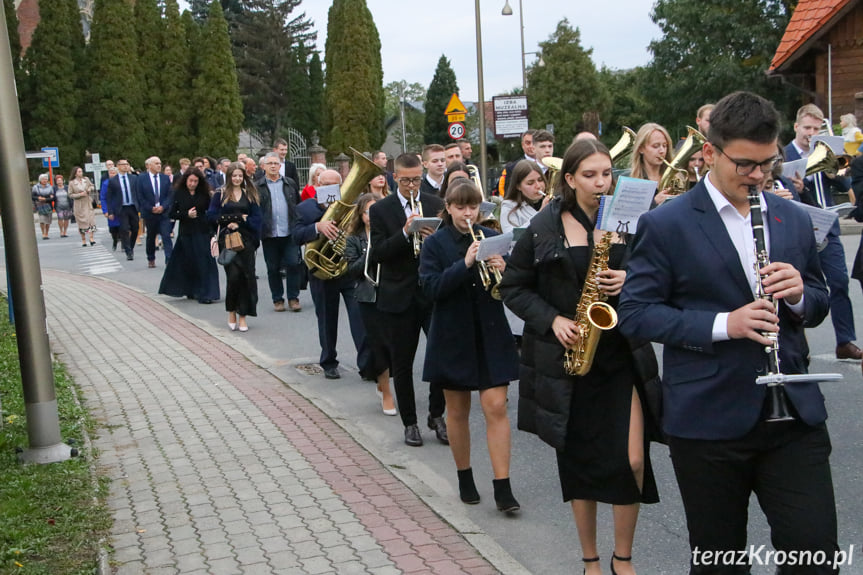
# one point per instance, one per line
(539, 284)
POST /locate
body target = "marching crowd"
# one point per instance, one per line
(685, 279)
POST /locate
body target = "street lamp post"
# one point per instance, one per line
(507, 11)
(481, 102)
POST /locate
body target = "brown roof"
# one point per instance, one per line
(810, 17)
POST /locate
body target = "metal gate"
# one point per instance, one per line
(299, 155)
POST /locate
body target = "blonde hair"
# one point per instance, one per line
(810, 110)
(637, 169)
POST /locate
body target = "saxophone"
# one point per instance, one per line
(593, 315)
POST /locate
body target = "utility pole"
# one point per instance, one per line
(22, 263)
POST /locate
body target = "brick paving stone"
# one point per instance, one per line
(232, 471)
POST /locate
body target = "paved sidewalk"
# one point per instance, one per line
(219, 467)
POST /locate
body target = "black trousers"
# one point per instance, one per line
(786, 465)
(403, 333)
(325, 295)
(128, 217)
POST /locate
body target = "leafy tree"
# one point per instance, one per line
(177, 113)
(149, 28)
(414, 93)
(114, 96)
(216, 90)
(441, 89)
(354, 90)
(711, 48)
(566, 88)
(272, 65)
(316, 93)
(52, 63)
(626, 104)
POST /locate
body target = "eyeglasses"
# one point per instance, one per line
(410, 181)
(746, 167)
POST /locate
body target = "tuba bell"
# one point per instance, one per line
(624, 145)
(822, 159)
(676, 174)
(325, 257)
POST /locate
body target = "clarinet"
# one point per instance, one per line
(778, 403)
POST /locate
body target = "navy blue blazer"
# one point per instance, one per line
(147, 196)
(115, 194)
(309, 212)
(683, 271)
(464, 316)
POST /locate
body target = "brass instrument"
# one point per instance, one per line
(676, 175)
(473, 173)
(325, 257)
(624, 145)
(553, 174)
(593, 315)
(490, 276)
(822, 159)
(416, 237)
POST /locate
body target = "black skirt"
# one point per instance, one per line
(191, 270)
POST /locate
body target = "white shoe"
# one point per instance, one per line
(233, 326)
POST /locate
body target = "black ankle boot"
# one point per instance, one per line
(466, 487)
(503, 496)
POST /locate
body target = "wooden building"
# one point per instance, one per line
(822, 30)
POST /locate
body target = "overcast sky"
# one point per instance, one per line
(414, 34)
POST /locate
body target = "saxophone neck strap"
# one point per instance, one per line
(585, 221)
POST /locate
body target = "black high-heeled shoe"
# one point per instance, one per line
(591, 560)
(623, 559)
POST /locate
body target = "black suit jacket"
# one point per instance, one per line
(427, 188)
(292, 197)
(291, 172)
(399, 283)
(683, 271)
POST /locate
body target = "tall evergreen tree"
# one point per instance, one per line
(316, 93)
(216, 89)
(177, 110)
(52, 63)
(354, 88)
(114, 95)
(300, 106)
(566, 87)
(271, 71)
(15, 46)
(192, 37)
(150, 31)
(441, 89)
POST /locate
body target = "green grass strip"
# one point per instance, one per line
(49, 521)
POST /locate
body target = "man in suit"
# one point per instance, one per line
(286, 169)
(123, 205)
(434, 162)
(326, 292)
(690, 285)
(404, 309)
(155, 197)
(817, 190)
(279, 200)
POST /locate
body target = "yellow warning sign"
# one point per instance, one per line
(455, 118)
(455, 106)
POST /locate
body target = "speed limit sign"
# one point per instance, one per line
(456, 130)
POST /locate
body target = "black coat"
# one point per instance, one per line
(539, 284)
(459, 299)
(292, 197)
(399, 284)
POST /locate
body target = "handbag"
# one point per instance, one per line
(226, 256)
(234, 241)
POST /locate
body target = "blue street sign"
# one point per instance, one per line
(55, 161)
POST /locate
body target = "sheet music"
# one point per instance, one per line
(631, 198)
(328, 194)
(797, 167)
(419, 223)
(494, 246)
(822, 220)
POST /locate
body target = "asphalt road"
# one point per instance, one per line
(542, 537)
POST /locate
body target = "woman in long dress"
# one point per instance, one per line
(62, 205)
(191, 270)
(596, 422)
(237, 209)
(80, 188)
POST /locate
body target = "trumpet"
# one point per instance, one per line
(416, 237)
(489, 275)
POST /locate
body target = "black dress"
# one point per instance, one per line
(241, 290)
(594, 463)
(191, 270)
